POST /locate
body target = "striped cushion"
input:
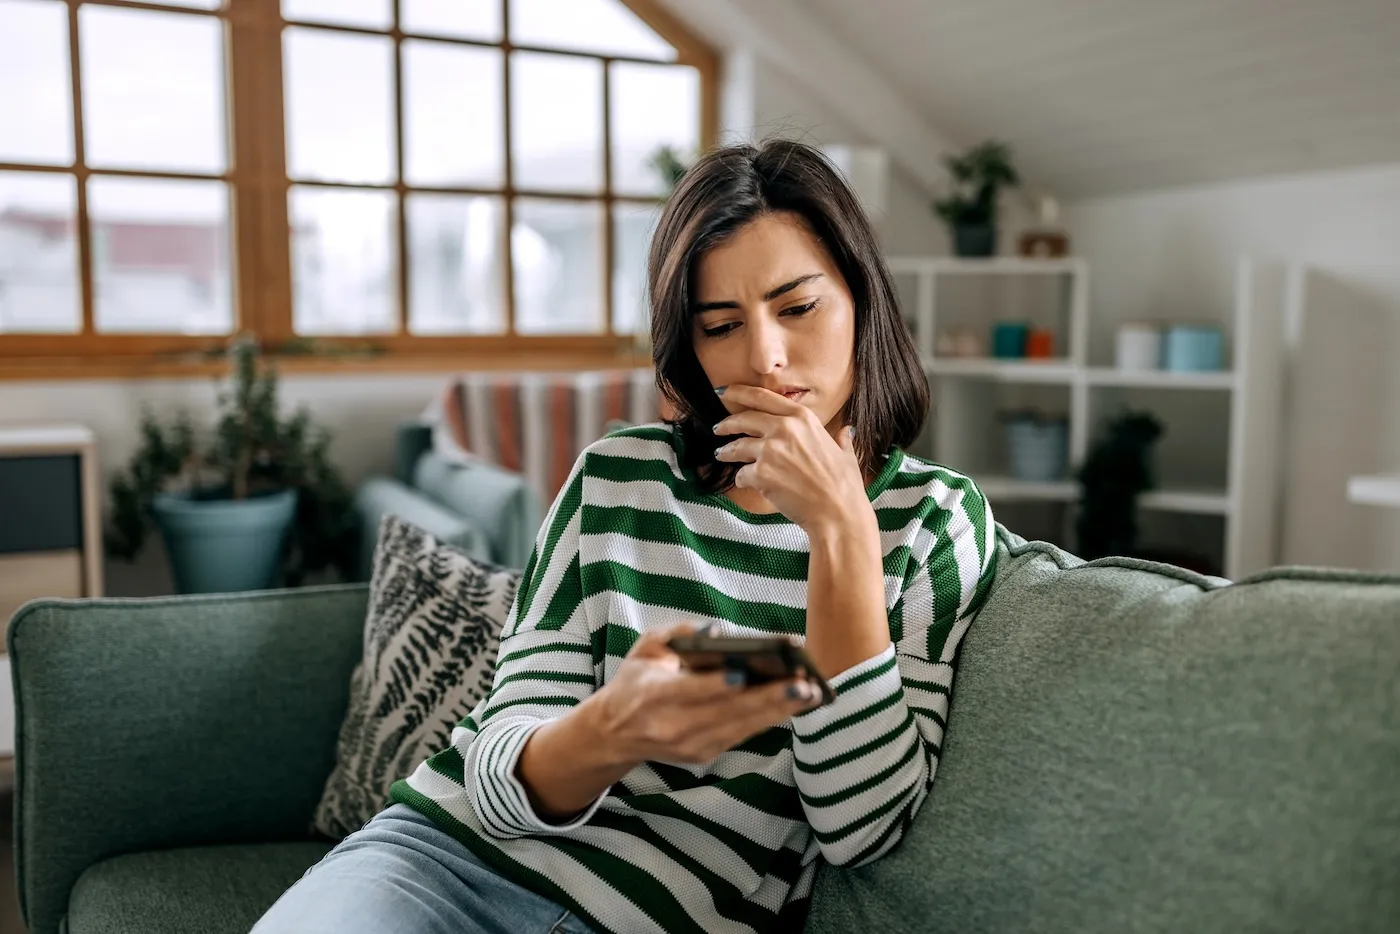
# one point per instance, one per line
(538, 423)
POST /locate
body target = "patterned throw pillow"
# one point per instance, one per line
(431, 635)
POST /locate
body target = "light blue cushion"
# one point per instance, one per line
(497, 502)
(381, 496)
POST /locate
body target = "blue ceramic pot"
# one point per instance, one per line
(224, 545)
(1038, 449)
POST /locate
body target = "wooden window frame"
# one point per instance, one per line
(259, 232)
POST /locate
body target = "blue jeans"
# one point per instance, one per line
(402, 874)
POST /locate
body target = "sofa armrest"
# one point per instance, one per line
(167, 722)
(411, 441)
(378, 497)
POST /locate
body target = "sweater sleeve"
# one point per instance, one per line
(864, 763)
(545, 668)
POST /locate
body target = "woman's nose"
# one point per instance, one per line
(767, 348)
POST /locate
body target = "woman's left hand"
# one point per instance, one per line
(790, 457)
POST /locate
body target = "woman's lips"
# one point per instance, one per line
(795, 394)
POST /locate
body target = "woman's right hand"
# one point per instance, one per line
(655, 709)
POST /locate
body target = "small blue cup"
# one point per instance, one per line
(1193, 349)
(1009, 339)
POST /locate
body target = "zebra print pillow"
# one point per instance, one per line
(431, 635)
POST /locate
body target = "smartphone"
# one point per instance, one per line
(761, 658)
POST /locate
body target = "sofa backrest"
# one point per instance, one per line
(1132, 747)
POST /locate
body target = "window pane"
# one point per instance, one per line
(345, 277)
(340, 106)
(633, 225)
(652, 106)
(460, 19)
(603, 26)
(455, 258)
(160, 258)
(153, 90)
(36, 125)
(453, 103)
(372, 14)
(556, 114)
(557, 247)
(39, 254)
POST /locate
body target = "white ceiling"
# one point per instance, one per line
(1106, 96)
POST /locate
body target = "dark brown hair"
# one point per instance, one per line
(727, 189)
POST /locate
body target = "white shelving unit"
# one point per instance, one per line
(969, 393)
(1375, 490)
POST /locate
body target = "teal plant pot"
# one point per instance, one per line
(225, 545)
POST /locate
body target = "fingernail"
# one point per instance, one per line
(850, 430)
(734, 678)
(719, 390)
(796, 692)
(715, 430)
(721, 449)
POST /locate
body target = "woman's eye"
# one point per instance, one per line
(798, 311)
(719, 330)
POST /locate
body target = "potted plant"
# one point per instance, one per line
(254, 502)
(669, 164)
(970, 209)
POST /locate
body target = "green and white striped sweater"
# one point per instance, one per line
(632, 543)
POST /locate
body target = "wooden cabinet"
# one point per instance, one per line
(50, 525)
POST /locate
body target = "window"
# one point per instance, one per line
(412, 176)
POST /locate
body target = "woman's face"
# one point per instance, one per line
(772, 310)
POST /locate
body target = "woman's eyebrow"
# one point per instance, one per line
(767, 296)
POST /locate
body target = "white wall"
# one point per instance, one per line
(1172, 254)
(764, 101)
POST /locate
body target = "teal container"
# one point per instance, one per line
(225, 545)
(1193, 349)
(1009, 339)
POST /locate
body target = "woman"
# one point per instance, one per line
(601, 785)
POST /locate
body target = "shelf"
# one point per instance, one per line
(1198, 502)
(994, 265)
(1375, 490)
(1009, 489)
(1006, 371)
(1159, 379)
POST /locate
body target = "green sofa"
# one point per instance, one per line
(1131, 748)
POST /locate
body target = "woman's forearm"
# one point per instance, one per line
(569, 762)
(846, 618)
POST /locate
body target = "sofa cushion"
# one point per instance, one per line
(430, 643)
(378, 497)
(498, 502)
(209, 889)
(1135, 748)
